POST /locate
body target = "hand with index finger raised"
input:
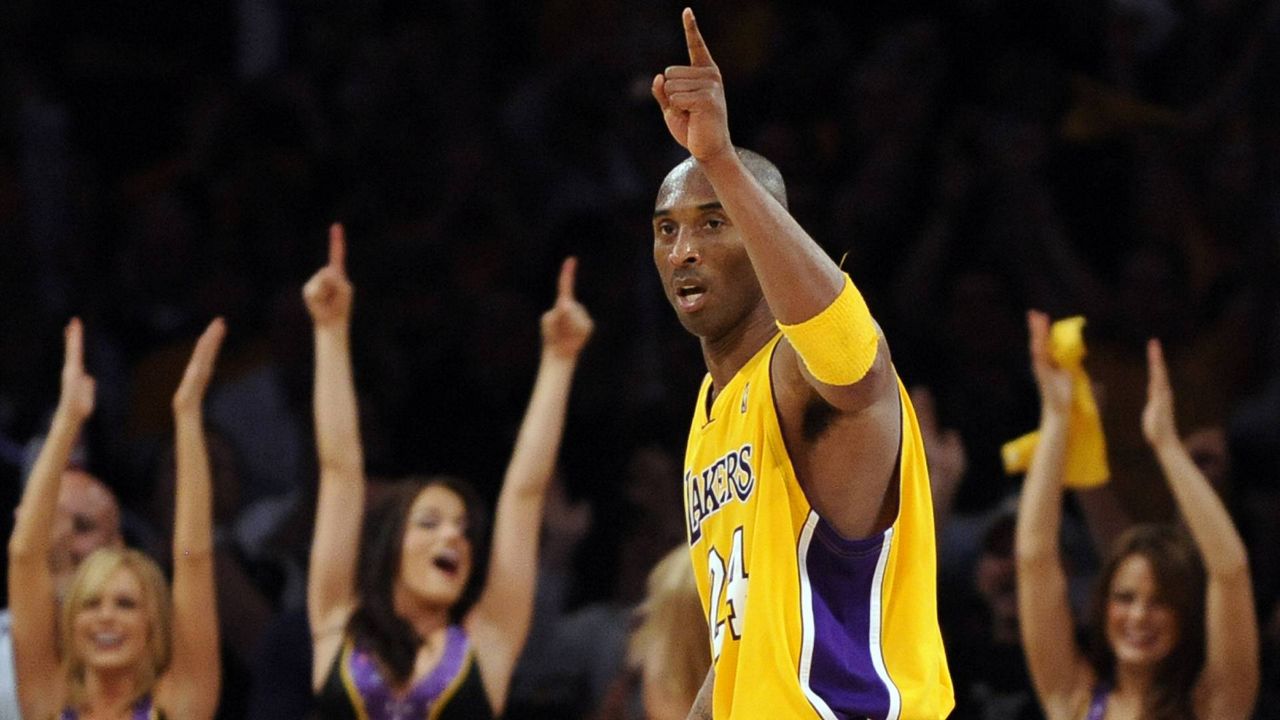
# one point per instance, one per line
(329, 292)
(699, 53)
(567, 325)
(692, 98)
(78, 387)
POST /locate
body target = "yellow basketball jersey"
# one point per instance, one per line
(804, 623)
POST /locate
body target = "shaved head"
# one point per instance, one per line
(764, 171)
(88, 518)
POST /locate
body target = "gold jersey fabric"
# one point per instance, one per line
(804, 623)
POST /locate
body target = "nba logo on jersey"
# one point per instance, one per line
(743, 408)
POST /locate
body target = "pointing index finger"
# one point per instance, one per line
(1038, 325)
(74, 350)
(1158, 374)
(337, 247)
(211, 339)
(699, 55)
(564, 287)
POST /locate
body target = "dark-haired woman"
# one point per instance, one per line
(1172, 633)
(420, 629)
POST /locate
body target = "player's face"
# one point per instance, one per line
(705, 271)
(435, 558)
(1142, 628)
(110, 630)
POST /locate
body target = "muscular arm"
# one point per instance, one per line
(798, 279)
(1228, 685)
(799, 282)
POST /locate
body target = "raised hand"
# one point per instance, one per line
(566, 326)
(1157, 417)
(328, 293)
(1054, 382)
(195, 380)
(76, 398)
(692, 98)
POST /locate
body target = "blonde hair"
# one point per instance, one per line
(90, 579)
(671, 641)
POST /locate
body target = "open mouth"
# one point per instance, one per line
(689, 297)
(447, 563)
(1141, 640)
(107, 640)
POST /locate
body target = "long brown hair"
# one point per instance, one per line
(1180, 582)
(375, 625)
(87, 585)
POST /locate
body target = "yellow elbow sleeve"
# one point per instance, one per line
(839, 344)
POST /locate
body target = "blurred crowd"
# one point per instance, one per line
(162, 163)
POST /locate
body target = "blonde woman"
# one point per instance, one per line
(673, 661)
(121, 646)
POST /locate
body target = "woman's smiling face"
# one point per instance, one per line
(1141, 627)
(110, 627)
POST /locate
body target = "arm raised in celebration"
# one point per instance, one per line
(331, 591)
(32, 604)
(190, 686)
(1058, 669)
(499, 623)
(833, 353)
(1228, 684)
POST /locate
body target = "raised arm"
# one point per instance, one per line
(190, 687)
(1057, 668)
(341, 499)
(833, 347)
(1228, 685)
(32, 601)
(331, 591)
(799, 280)
(499, 622)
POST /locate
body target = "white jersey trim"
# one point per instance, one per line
(873, 641)
(806, 619)
(877, 651)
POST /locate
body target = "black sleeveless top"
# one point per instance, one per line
(356, 689)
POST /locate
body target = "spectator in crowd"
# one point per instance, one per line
(413, 613)
(1172, 632)
(88, 518)
(120, 641)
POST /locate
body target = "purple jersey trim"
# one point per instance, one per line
(1098, 705)
(141, 711)
(841, 667)
(381, 701)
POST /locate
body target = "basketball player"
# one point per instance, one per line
(806, 493)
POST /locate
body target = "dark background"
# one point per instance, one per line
(165, 162)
